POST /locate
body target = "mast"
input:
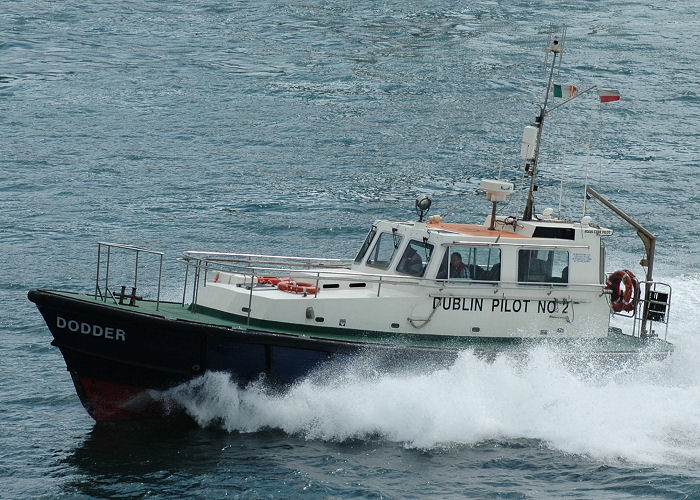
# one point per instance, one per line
(531, 159)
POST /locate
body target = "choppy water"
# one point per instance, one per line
(289, 127)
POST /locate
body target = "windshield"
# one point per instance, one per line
(366, 244)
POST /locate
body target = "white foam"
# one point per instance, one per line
(644, 414)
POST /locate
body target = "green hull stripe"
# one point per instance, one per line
(615, 342)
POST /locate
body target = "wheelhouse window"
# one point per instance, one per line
(471, 263)
(366, 244)
(384, 249)
(415, 258)
(543, 266)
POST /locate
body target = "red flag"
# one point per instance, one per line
(609, 95)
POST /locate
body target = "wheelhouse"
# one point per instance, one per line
(548, 252)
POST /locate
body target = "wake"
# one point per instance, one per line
(644, 413)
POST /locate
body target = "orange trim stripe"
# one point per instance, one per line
(475, 230)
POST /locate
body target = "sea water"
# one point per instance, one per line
(288, 127)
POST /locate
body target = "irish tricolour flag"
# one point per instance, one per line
(564, 91)
(609, 95)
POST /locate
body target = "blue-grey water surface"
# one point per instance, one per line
(288, 127)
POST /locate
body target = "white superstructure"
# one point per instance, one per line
(525, 279)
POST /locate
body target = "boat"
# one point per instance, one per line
(418, 293)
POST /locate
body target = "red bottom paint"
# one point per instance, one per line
(107, 401)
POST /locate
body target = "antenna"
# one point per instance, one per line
(500, 161)
(561, 181)
(546, 51)
(561, 45)
(588, 158)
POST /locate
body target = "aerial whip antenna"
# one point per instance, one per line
(546, 51)
(561, 45)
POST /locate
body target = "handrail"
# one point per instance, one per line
(511, 244)
(375, 278)
(262, 262)
(132, 248)
(644, 319)
(129, 247)
(193, 253)
(271, 262)
(333, 271)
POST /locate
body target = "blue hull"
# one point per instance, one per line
(117, 357)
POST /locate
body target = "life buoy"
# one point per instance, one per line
(625, 290)
(270, 280)
(296, 287)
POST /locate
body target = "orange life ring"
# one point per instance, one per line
(270, 280)
(625, 290)
(296, 287)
